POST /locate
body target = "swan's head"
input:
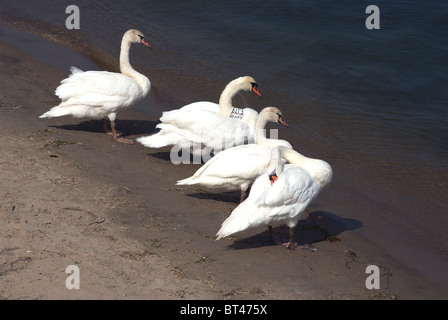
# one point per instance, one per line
(135, 36)
(273, 177)
(273, 114)
(248, 83)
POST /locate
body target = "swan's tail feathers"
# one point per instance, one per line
(55, 112)
(161, 139)
(228, 228)
(238, 221)
(75, 70)
(74, 110)
(157, 140)
(71, 85)
(186, 182)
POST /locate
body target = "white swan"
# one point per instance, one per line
(236, 168)
(217, 126)
(101, 94)
(283, 201)
(225, 105)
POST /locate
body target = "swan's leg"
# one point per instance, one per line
(105, 128)
(273, 238)
(244, 194)
(118, 138)
(291, 244)
(294, 246)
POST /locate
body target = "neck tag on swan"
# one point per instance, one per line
(237, 113)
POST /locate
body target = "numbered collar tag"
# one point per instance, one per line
(237, 113)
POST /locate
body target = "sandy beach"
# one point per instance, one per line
(70, 195)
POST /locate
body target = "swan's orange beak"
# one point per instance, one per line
(144, 42)
(273, 177)
(282, 121)
(255, 90)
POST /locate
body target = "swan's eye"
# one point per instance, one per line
(273, 177)
(255, 88)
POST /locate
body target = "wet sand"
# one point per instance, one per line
(70, 195)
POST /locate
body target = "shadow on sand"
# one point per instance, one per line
(229, 196)
(318, 226)
(127, 127)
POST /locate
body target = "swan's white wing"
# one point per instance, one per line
(94, 94)
(278, 143)
(209, 128)
(271, 205)
(167, 136)
(98, 89)
(287, 198)
(247, 214)
(232, 167)
(237, 161)
(170, 134)
(240, 219)
(201, 105)
(293, 186)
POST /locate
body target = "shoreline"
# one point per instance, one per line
(71, 195)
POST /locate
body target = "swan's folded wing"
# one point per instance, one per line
(246, 161)
(293, 186)
(245, 216)
(189, 125)
(199, 120)
(207, 127)
(98, 88)
(201, 105)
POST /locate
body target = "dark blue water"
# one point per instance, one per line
(373, 103)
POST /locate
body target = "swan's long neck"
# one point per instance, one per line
(260, 132)
(318, 169)
(226, 98)
(275, 162)
(126, 68)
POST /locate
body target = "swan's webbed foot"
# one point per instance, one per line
(291, 244)
(118, 136)
(295, 246)
(123, 140)
(111, 132)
